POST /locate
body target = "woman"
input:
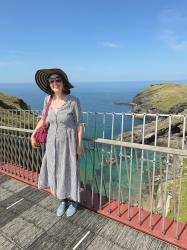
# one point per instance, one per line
(60, 169)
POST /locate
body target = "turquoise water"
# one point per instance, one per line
(94, 96)
(112, 181)
(97, 97)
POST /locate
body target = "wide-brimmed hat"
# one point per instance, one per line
(42, 76)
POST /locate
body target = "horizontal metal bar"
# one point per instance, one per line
(142, 146)
(17, 129)
(108, 113)
(118, 143)
(31, 131)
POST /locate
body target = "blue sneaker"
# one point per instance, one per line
(61, 209)
(72, 208)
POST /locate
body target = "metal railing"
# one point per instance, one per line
(118, 162)
(147, 165)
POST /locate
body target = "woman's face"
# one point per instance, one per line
(55, 83)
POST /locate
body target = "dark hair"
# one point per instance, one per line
(65, 88)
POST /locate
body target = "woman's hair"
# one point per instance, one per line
(65, 88)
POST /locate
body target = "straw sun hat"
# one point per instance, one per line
(42, 76)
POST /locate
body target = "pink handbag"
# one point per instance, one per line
(41, 133)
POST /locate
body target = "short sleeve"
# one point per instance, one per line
(44, 107)
(77, 112)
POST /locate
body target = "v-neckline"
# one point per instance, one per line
(67, 97)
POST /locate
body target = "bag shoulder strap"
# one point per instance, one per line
(47, 108)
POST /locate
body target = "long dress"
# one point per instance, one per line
(60, 170)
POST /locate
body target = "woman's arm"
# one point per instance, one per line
(80, 134)
(78, 121)
(79, 144)
(39, 124)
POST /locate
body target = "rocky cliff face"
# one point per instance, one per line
(162, 98)
(12, 102)
(168, 99)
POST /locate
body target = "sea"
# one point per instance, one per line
(96, 97)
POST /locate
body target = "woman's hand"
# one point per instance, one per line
(79, 152)
(34, 143)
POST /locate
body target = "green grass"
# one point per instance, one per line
(19, 120)
(183, 208)
(12, 102)
(17, 115)
(165, 96)
(184, 112)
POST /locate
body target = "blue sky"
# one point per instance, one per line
(98, 40)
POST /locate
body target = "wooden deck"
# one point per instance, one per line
(31, 223)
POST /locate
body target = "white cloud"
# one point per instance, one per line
(170, 38)
(14, 53)
(173, 29)
(109, 45)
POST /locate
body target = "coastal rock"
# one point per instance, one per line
(162, 133)
(12, 102)
(15, 104)
(162, 98)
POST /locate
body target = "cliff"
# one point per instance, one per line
(12, 102)
(15, 103)
(162, 98)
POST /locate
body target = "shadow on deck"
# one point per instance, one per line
(31, 223)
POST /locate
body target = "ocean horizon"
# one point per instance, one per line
(99, 97)
(94, 96)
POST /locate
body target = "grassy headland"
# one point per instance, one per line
(162, 98)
